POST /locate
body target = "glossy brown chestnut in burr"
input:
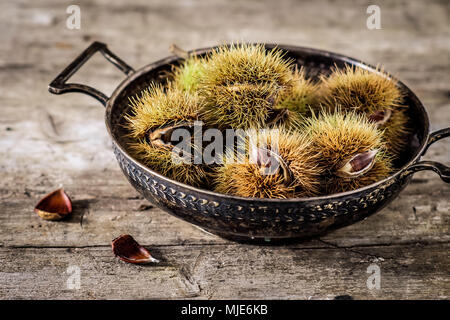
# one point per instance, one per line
(380, 117)
(128, 250)
(54, 206)
(357, 165)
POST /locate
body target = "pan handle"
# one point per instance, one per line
(59, 85)
(442, 170)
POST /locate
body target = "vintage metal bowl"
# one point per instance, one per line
(240, 218)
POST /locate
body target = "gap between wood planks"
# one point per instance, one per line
(327, 245)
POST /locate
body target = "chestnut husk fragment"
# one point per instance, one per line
(54, 206)
(128, 250)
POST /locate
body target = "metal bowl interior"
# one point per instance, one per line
(261, 218)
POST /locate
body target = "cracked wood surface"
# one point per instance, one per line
(47, 141)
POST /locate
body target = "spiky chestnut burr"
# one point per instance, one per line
(241, 84)
(154, 115)
(300, 95)
(280, 166)
(186, 77)
(351, 150)
(297, 100)
(375, 95)
(156, 107)
(171, 165)
(357, 89)
(395, 129)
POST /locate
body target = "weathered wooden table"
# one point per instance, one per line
(47, 141)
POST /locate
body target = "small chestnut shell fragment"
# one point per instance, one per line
(128, 250)
(54, 206)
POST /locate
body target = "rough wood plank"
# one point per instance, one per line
(229, 271)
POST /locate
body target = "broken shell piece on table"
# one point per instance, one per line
(54, 206)
(128, 250)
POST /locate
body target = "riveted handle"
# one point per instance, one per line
(59, 85)
(442, 170)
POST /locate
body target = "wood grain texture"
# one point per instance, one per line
(47, 141)
(228, 271)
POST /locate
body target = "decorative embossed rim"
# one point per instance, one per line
(334, 197)
(373, 196)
